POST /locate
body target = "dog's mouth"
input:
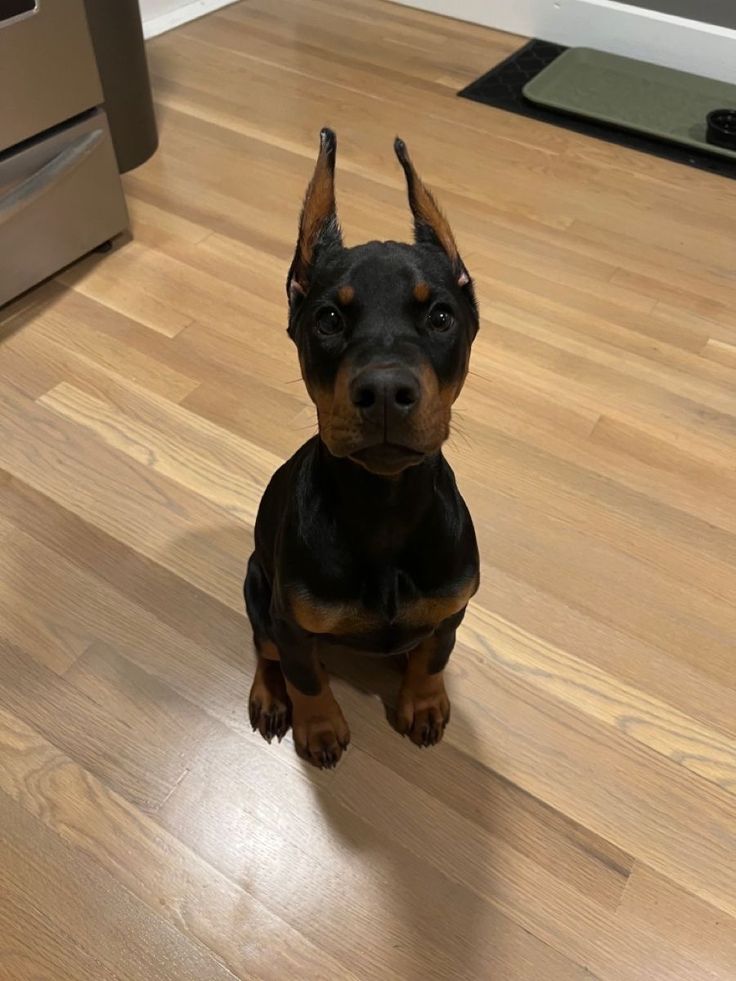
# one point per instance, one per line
(387, 458)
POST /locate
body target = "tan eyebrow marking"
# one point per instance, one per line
(345, 295)
(421, 292)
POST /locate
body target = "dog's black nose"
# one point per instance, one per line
(385, 391)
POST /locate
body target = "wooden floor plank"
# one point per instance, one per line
(369, 808)
(97, 735)
(120, 935)
(135, 851)
(692, 926)
(579, 820)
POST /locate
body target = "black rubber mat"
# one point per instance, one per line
(501, 87)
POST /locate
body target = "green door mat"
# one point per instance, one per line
(634, 95)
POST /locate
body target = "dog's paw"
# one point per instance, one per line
(423, 715)
(322, 739)
(269, 708)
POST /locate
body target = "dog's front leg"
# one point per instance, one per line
(321, 734)
(423, 708)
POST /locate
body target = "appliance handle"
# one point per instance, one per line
(29, 190)
(9, 19)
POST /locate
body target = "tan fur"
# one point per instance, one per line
(421, 292)
(340, 423)
(346, 619)
(427, 210)
(319, 206)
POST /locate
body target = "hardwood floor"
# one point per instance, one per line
(579, 821)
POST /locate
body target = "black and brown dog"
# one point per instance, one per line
(362, 538)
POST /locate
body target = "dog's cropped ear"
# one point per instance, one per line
(318, 225)
(430, 225)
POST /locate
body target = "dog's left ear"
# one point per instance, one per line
(430, 225)
(318, 224)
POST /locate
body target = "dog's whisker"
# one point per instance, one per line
(458, 429)
(457, 436)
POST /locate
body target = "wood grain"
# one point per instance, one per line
(579, 821)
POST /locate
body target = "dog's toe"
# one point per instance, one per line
(423, 717)
(269, 708)
(274, 722)
(322, 741)
(254, 712)
(428, 728)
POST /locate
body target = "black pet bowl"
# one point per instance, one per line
(722, 128)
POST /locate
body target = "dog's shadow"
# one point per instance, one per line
(407, 834)
(401, 812)
(379, 677)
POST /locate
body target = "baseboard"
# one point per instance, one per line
(181, 15)
(676, 42)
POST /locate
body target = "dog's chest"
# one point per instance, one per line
(389, 602)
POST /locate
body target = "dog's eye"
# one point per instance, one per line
(441, 318)
(328, 321)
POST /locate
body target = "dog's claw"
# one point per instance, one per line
(323, 756)
(423, 719)
(271, 723)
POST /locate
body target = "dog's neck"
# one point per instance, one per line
(374, 498)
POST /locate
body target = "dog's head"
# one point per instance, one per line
(383, 330)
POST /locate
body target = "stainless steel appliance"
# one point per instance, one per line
(60, 190)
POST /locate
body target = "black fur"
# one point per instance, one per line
(330, 528)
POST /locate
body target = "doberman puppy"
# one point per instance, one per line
(362, 538)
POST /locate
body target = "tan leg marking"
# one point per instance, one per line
(269, 708)
(321, 734)
(423, 708)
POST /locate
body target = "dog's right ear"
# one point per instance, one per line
(318, 225)
(430, 225)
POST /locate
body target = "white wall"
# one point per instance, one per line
(721, 12)
(154, 8)
(162, 15)
(620, 28)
